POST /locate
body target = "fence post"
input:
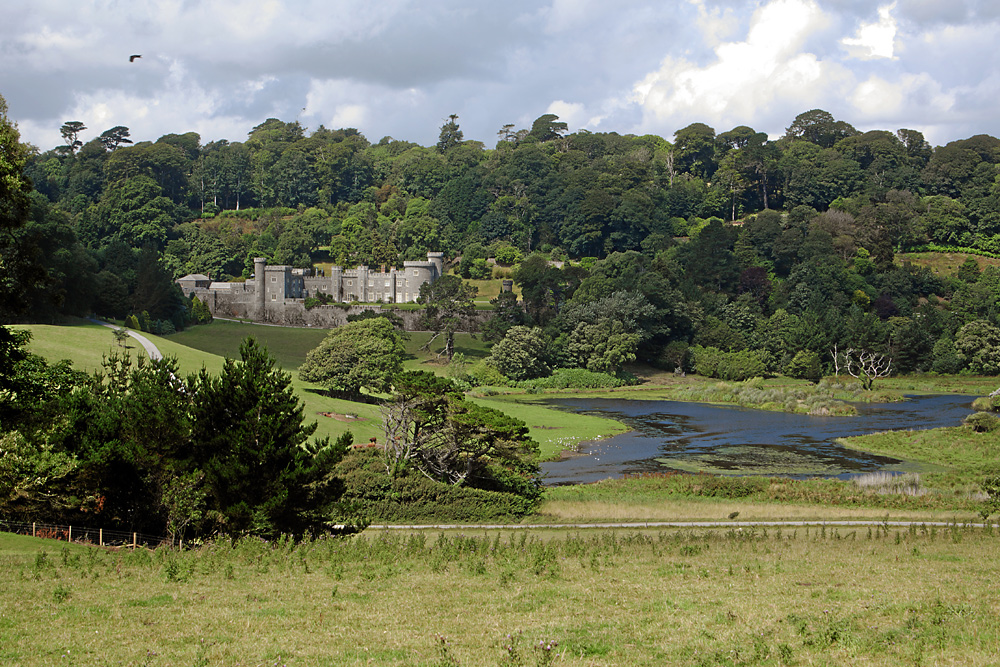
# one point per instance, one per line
(70, 539)
(133, 540)
(100, 536)
(33, 529)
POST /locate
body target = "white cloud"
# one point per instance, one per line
(874, 40)
(574, 115)
(747, 77)
(716, 24)
(565, 15)
(878, 100)
(349, 115)
(878, 97)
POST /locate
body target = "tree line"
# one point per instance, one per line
(820, 215)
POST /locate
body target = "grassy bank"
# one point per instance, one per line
(966, 457)
(85, 344)
(222, 338)
(725, 597)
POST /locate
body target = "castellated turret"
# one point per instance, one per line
(259, 267)
(437, 258)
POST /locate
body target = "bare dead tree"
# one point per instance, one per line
(413, 440)
(400, 444)
(447, 440)
(863, 365)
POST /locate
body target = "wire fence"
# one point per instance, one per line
(105, 537)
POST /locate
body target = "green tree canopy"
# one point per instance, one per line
(521, 354)
(448, 308)
(365, 354)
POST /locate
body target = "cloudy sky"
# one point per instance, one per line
(400, 67)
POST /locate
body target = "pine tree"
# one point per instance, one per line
(450, 134)
(251, 441)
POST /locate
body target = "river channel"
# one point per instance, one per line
(693, 437)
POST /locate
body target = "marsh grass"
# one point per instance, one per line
(884, 483)
(819, 595)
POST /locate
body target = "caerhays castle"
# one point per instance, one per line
(277, 294)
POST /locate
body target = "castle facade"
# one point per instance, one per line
(277, 294)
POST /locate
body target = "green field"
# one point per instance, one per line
(965, 456)
(869, 596)
(288, 345)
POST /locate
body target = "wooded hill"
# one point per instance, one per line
(822, 213)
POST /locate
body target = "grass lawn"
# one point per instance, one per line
(554, 430)
(83, 343)
(490, 289)
(818, 596)
(288, 345)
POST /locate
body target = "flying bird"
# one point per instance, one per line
(131, 59)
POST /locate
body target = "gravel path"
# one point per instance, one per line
(151, 350)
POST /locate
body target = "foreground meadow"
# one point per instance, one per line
(806, 596)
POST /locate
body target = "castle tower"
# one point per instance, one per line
(337, 283)
(259, 266)
(437, 258)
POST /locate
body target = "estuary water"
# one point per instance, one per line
(693, 437)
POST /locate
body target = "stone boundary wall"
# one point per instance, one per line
(292, 312)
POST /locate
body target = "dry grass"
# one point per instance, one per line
(683, 597)
(710, 509)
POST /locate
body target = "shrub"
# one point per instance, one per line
(987, 404)
(734, 366)
(413, 498)
(577, 378)
(485, 373)
(805, 365)
(507, 255)
(982, 422)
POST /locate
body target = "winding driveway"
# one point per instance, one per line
(151, 350)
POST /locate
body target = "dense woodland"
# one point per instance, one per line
(723, 253)
(810, 263)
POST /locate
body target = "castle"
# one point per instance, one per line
(276, 294)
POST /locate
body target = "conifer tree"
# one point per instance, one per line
(250, 438)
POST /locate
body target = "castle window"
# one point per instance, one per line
(416, 272)
(274, 297)
(274, 279)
